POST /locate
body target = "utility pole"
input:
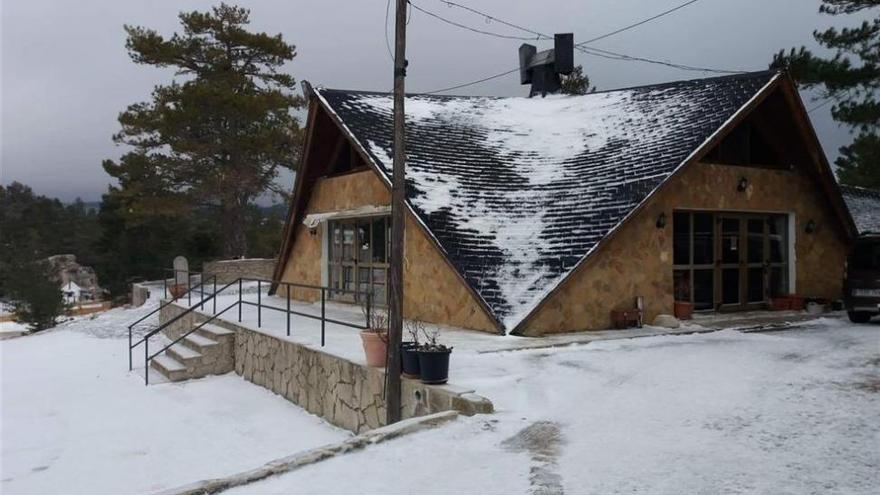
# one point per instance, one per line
(398, 196)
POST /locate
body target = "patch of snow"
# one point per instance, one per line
(74, 420)
(789, 412)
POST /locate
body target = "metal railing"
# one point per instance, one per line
(358, 295)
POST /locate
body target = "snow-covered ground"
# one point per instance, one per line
(792, 412)
(73, 419)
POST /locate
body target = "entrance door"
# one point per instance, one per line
(729, 261)
(743, 261)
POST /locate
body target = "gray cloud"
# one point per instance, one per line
(66, 76)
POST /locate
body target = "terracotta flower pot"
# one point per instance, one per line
(781, 303)
(177, 290)
(683, 310)
(797, 302)
(375, 347)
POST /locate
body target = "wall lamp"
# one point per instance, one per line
(810, 227)
(661, 221)
(742, 185)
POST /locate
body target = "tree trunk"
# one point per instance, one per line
(233, 230)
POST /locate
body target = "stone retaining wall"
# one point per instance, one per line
(229, 270)
(347, 394)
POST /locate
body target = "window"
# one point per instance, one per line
(745, 145)
(358, 252)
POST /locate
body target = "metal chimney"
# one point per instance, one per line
(542, 69)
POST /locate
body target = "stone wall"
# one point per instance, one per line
(637, 260)
(347, 394)
(433, 292)
(229, 270)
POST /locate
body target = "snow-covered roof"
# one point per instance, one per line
(864, 205)
(517, 191)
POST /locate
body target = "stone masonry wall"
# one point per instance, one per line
(637, 260)
(229, 270)
(346, 394)
(432, 290)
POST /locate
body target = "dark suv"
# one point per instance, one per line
(861, 288)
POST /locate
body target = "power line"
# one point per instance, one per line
(828, 99)
(387, 41)
(580, 46)
(639, 23)
(472, 29)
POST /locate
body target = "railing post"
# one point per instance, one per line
(189, 294)
(259, 303)
(130, 366)
(369, 307)
(323, 318)
(239, 300)
(214, 311)
(164, 286)
(146, 364)
(288, 310)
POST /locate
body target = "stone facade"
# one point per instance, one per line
(346, 394)
(637, 260)
(433, 292)
(230, 270)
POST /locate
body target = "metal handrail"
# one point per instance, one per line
(213, 297)
(160, 308)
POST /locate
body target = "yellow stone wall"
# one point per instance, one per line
(637, 260)
(433, 292)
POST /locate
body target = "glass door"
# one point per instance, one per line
(358, 259)
(730, 260)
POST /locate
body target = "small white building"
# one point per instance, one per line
(71, 292)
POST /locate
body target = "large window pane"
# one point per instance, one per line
(379, 241)
(778, 226)
(363, 233)
(756, 240)
(778, 281)
(730, 286)
(681, 238)
(730, 239)
(704, 245)
(681, 280)
(704, 289)
(335, 241)
(348, 243)
(756, 284)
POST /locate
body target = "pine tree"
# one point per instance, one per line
(216, 137)
(850, 78)
(577, 83)
(35, 292)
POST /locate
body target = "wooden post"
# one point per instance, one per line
(395, 299)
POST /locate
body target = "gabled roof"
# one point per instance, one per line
(864, 206)
(519, 191)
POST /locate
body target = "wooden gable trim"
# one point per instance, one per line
(295, 200)
(695, 156)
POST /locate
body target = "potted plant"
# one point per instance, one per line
(409, 355)
(683, 308)
(433, 359)
(375, 339)
(177, 290)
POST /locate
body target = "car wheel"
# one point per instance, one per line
(859, 316)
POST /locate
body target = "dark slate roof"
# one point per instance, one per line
(518, 191)
(864, 206)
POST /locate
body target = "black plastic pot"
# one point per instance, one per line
(434, 366)
(409, 359)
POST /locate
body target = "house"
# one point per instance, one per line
(864, 205)
(71, 292)
(534, 216)
(81, 279)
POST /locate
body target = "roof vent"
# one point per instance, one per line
(542, 69)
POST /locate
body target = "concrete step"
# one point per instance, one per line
(183, 354)
(199, 343)
(172, 369)
(215, 332)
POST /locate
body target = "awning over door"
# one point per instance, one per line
(313, 219)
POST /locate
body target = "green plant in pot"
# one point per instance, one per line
(375, 339)
(433, 359)
(409, 352)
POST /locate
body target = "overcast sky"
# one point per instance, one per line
(66, 75)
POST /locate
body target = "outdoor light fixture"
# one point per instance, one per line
(313, 231)
(661, 221)
(811, 226)
(743, 184)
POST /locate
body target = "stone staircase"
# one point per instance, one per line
(207, 351)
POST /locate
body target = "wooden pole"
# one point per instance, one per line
(395, 298)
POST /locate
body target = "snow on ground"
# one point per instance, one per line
(74, 420)
(787, 412)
